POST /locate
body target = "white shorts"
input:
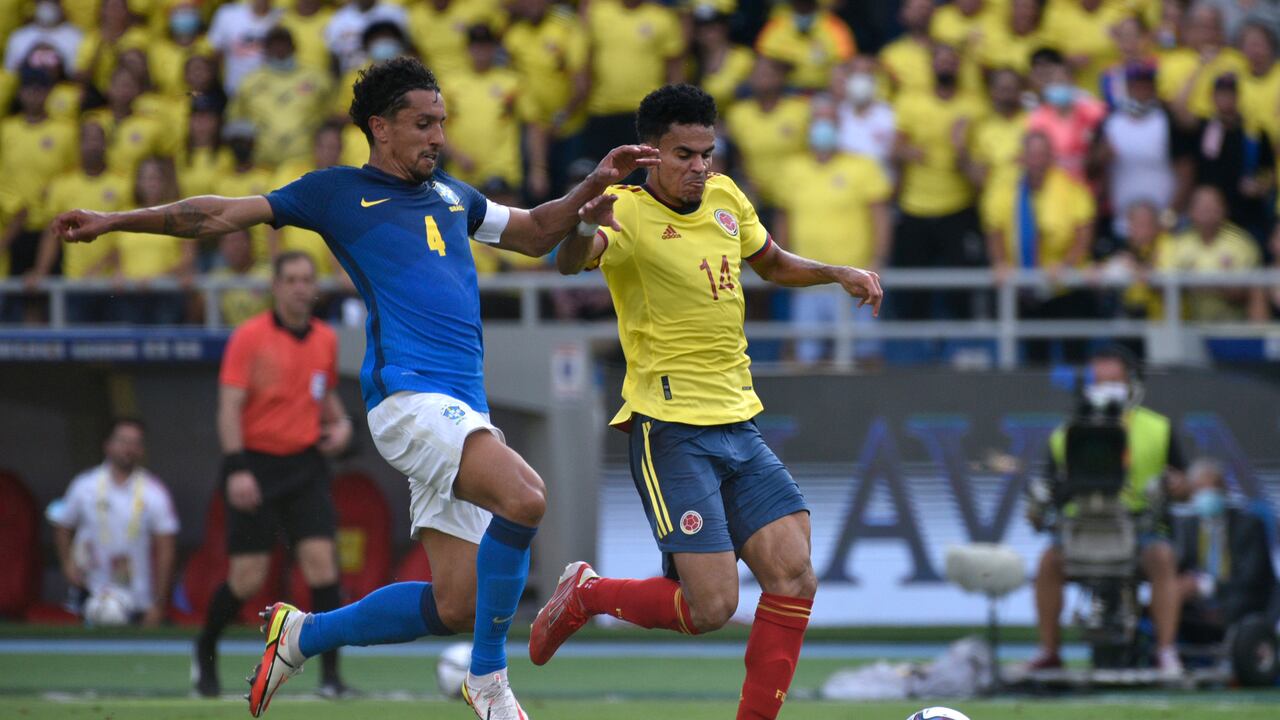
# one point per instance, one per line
(421, 435)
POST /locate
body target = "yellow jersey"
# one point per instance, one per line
(1062, 206)
(132, 139)
(675, 279)
(935, 185)
(297, 239)
(996, 142)
(167, 62)
(1231, 250)
(629, 53)
(1260, 100)
(1179, 65)
(64, 102)
(767, 138)
(909, 65)
(828, 207)
(254, 181)
(285, 107)
(811, 54)
(1076, 31)
(722, 84)
(200, 168)
(1003, 49)
(100, 56)
(105, 192)
(144, 256)
(547, 56)
(951, 27)
(308, 37)
(10, 205)
(241, 304)
(441, 36)
(485, 113)
(32, 154)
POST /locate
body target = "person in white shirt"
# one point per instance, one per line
(866, 123)
(49, 26)
(237, 32)
(346, 28)
(115, 528)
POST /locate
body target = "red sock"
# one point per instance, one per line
(773, 648)
(652, 603)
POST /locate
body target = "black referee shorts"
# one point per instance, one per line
(296, 498)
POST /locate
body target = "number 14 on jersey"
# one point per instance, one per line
(726, 276)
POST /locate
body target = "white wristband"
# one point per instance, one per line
(586, 229)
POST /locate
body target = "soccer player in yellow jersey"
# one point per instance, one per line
(672, 251)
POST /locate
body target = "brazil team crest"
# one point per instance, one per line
(446, 193)
(454, 413)
(727, 222)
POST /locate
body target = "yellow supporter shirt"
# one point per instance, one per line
(811, 55)
(490, 260)
(828, 207)
(32, 154)
(935, 186)
(255, 181)
(286, 108)
(64, 102)
(996, 142)
(10, 205)
(723, 84)
(167, 61)
(1074, 31)
(8, 87)
(485, 114)
(766, 139)
(676, 286)
(1260, 99)
(106, 192)
(243, 303)
(1231, 250)
(297, 239)
(547, 56)
(952, 27)
(909, 65)
(1005, 50)
(13, 13)
(100, 55)
(629, 53)
(1062, 205)
(82, 13)
(1179, 65)
(355, 147)
(132, 139)
(144, 256)
(441, 37)
(200, 168)
(308, 37)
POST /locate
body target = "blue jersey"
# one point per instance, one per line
(406, 247)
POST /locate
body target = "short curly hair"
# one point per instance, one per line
(669, 105)
(381, 89)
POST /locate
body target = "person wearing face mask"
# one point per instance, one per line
(1225, 568)
(1136, 147)
(866, 124)
(1068, 115)
(167, 56)
(48, 26)
(1153, 462)
(285, 102)
(835, 211)
(1082, 31)
(811, 39)
(382, 40)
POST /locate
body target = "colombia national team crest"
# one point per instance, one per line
(690, 522)
(727, 221)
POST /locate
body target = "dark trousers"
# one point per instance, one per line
(946, 241)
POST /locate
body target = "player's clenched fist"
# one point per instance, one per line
(80, 225)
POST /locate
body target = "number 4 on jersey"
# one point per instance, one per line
(726, 276)
(435, 241)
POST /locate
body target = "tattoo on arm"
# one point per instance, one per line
(184, 219)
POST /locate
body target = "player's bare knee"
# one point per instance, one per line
(458, 613)
(712, 612)
(791, 576)
(528, 503)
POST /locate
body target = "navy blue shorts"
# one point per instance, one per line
(708, 489)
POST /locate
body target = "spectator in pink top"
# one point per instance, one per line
(1068, 116)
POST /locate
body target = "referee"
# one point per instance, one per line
(278, 417)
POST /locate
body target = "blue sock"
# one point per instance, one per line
(392, 614)
(502, 567)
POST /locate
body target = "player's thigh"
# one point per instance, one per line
(778, 555)
(317, 559)
(496, 478)
(762, 492)
(246, 573)
(709, 582)
(676, 473)
(453, 577)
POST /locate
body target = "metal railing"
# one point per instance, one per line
(1167, 339)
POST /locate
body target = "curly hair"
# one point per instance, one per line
(669, 105)
(381, 89)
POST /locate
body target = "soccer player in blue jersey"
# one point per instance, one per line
(399, 226)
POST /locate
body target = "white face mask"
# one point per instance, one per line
(47, 14)
(1101, 395)
(861, 88)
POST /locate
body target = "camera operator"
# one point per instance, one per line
(1153, 468)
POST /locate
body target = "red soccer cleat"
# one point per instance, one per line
(562, 616)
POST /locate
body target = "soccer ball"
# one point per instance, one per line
(452, 668)
(938, 713)
(109, 606)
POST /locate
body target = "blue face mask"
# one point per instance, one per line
(386, 49)
(282, 64)
(823, 136)
(804, 23)
(1209, 503)
(184, 22)
(1060, 95)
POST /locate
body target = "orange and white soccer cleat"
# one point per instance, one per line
(281, 659)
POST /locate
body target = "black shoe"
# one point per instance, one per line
(335, 689)
(204, 669)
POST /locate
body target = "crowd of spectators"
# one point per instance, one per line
(1105, 136)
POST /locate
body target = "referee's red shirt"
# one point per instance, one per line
(285, 377)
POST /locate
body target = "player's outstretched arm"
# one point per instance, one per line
(536, 232)
(584, 245)
(198, 216)
(790, 270)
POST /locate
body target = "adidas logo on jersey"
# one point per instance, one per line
(670, 233)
